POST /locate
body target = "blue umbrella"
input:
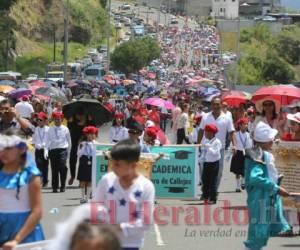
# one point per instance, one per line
(7, 83)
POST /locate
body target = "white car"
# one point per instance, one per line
(125, 7)
(32, 77)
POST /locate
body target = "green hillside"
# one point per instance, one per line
(32, 24)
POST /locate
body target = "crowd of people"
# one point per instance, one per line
(247, 131)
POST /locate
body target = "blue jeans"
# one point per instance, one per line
(221, 167)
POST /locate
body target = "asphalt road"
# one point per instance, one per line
(178, 235)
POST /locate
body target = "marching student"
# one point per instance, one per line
(149, 139)
(58, 146)
(243, 142)
(196, 127)
(132, 193)
(39, 142)
(261, 179)
(210, 156)
(85, 155)
(118, 132)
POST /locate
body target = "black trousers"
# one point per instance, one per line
(42, 164)
(58, 158)
(73, 160)
(209, 180)
(181, 136)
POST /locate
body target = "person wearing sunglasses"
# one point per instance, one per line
(270, 114)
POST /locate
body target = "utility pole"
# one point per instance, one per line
(66, 35)
(237, 53)
(7, 41)
(54, 43)
(108, 35)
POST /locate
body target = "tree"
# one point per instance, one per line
(288, 46)
(103, 3)
(6, 4)
(135, 54)
(276, 70)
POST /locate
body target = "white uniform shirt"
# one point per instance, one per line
(211, 150)
(223, 123)
(243, 141)
(39, 137)
(86, 148)
(58, 137)
(194, 135)
(133, 206)
(24, 109)
(118, 134)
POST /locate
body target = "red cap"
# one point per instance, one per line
(242, 120)
(198, 118)
(119, 116)
(154, 117)
(211, 128)
(57, 115)
(25, 98)
(139, 119)
(151, 132)
(90, 130)
(42, 116)
(144, 112)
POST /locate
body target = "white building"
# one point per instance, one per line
(228, 9)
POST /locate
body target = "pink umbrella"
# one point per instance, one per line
(155, 101)
(33, 88)
(38, 83)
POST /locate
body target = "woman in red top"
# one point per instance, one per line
(294, 135)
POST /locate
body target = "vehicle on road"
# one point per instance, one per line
(139, 30)
(94, 72)
(10, 75)
(55, 76)
(125, 7)
(32, 77)
(174, 20)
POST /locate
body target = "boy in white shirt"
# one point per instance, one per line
(58, 144)
(39, 142)
(132, 194)
(210, 156)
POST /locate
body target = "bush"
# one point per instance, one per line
(135, 54)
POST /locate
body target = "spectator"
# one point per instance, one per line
(269, 110)
(24, 109)
(10, 119)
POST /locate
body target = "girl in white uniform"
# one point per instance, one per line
(118, 132)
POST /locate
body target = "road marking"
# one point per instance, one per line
(159, 240)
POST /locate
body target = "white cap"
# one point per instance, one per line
(136, 97)
(10, 141)
(294, 117)
(264, 133)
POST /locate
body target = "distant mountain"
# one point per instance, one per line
(291, 4)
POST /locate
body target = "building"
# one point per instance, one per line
(228, 9)
(200, 8)
(259, 7)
